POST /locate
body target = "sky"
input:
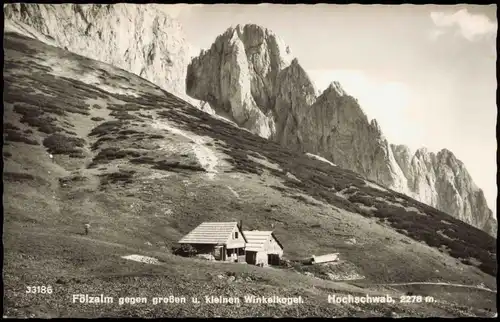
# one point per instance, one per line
(426, 73)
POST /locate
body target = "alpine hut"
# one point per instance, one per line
(262, 248)
(224, 241)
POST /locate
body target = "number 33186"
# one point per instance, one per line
(39, 289)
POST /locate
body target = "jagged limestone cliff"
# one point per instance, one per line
(250, 75)
(136, 38)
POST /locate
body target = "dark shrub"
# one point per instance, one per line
(77, 155)
(303, 199)
(127, 132)
(71, 179)
(8, 126)
(28, 111)
(143, 160)
(110, 154)
(61, 144)
(125, 107)
(97, 118)
(17, 176)
(45, 126)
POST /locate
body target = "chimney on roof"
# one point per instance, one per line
(240, 225)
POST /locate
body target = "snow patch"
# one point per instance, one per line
(156, 175)
(222, 118)
(205, 155)
(375, 186)
(291, 176)
(117, 90)
(142, 259)
(317, 157)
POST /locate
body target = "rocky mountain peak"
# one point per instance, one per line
(336, 88)
(250, 74)
(374, 124)
(138, 38)
(246, 74)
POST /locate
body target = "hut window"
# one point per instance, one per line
(236, 235)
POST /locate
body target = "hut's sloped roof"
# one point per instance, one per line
(210, 233)
(256, 239)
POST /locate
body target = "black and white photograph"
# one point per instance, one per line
(249, 160)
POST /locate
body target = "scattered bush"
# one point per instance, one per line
(122, 177)
(145, 115)
(143, 160)
(77, 155)
(317, 177)
(71, 179)
(35, 117)
(97, 118)
(8, 126)
(110, 154)
(124, 107)
(127, 132)
(109, 127)
(17, 176)
(303, 199)
(27, 111)
(14, 136)
(123, 115)
(176, 165)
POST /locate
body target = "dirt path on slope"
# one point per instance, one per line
(436, 283)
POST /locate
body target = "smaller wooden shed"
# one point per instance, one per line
(262, 248)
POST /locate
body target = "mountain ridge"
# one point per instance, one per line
(137, 38)
(260, 86)
(87, 142)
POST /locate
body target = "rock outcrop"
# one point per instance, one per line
(136, 38)
(250, 76)
(442, 181)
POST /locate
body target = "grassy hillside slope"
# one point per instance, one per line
(144, 168)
